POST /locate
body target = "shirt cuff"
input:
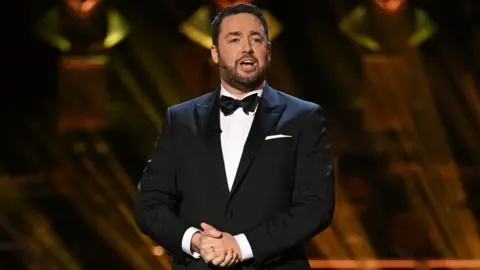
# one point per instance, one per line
(245, 247)
(187, 242)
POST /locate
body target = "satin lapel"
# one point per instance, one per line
(207, 115)
(268, 113)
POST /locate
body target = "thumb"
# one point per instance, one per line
(206, 226)
(210, 230)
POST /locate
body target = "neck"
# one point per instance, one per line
(237, 93)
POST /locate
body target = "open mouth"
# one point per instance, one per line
(248, 64)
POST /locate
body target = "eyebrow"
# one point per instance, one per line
(237, 33)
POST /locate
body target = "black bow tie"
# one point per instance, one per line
(229, 105)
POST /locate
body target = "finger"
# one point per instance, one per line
(213, 233)
(203, 253)
(220, 258)
(206, 226)
(234, 260)
(228, 258)
(208, 254)
(211, 230)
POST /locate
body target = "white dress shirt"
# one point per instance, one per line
(235, 129)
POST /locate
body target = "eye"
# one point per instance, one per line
(257, 40)
(234, 40)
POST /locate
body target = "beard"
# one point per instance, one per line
(243, 83)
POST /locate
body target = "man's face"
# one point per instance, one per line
(83, 7)
(225, 3)
(243, 52)
(390, 5)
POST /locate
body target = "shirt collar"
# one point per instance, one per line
(224, 92)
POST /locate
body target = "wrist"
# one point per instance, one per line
(194, 242)
(238, 249)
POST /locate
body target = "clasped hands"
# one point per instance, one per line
(219, 248)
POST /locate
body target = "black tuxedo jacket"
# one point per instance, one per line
(283, 192)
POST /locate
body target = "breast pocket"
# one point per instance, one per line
(278, 150)
(275, 167)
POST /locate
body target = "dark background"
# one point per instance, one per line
(67, 195)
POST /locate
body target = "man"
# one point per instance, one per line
(242, 176)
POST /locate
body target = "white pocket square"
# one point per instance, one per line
(277, 136)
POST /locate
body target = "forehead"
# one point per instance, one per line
(243, 22)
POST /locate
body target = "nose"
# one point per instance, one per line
(247, 47)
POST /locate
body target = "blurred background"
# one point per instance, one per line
(87, 82)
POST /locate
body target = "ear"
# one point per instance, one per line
(269, 50)
(214, 54)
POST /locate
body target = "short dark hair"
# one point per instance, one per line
(233, 10)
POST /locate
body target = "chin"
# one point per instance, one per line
(247, 76)
(247, 73)
(252, 80)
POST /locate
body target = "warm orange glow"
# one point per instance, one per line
(86, 123)
(370, 264)
(158, 251)
(82, 63)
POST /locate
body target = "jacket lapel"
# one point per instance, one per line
(207, 116)
(268, 113)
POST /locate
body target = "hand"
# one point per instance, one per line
(219, 248)
(197, 239)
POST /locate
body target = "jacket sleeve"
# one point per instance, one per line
(313, 197)
(157, 198)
